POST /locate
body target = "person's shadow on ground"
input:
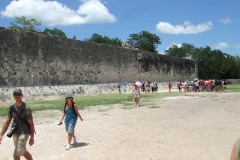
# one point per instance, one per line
(79, 144)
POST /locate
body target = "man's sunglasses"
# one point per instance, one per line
(17, 94)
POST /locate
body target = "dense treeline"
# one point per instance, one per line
(211, 63)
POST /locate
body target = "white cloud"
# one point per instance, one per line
(185, 28)
(94, 11)
(237, 46)
(220, 45)
(226, 20)
(178, 45)
(54, 13)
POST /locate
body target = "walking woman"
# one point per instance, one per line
(169, 86)
(71, 114)
(136, 93)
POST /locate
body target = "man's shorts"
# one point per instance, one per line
(69, 128)
(20, 142)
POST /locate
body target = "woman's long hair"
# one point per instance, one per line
(66, 102)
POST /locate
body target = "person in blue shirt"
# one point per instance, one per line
(70, 114)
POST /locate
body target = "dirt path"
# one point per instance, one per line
(200, 126)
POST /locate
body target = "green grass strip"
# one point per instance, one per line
(86, 101)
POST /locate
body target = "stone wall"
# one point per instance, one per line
(31, 59)
(53, 92)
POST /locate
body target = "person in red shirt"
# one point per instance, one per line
(180, 86)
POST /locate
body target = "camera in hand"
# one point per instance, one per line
(10, 133)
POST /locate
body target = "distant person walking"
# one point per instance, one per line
(119, 88)
(136, 93)
(179, 84)
(22, 126)
(169, 86)
(70, 114)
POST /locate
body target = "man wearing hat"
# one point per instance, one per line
(22, 126)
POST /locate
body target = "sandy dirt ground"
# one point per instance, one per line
(199, 126)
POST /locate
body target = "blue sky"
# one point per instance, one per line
(214, 23)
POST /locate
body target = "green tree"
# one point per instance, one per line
(22, 23)
(204, 62)
(231, 67)
(144, 41)
(74, 37)
(116, 42)
(54, 32)
(96, 38)
(211, 63)
(184, 51)
(216, 64)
